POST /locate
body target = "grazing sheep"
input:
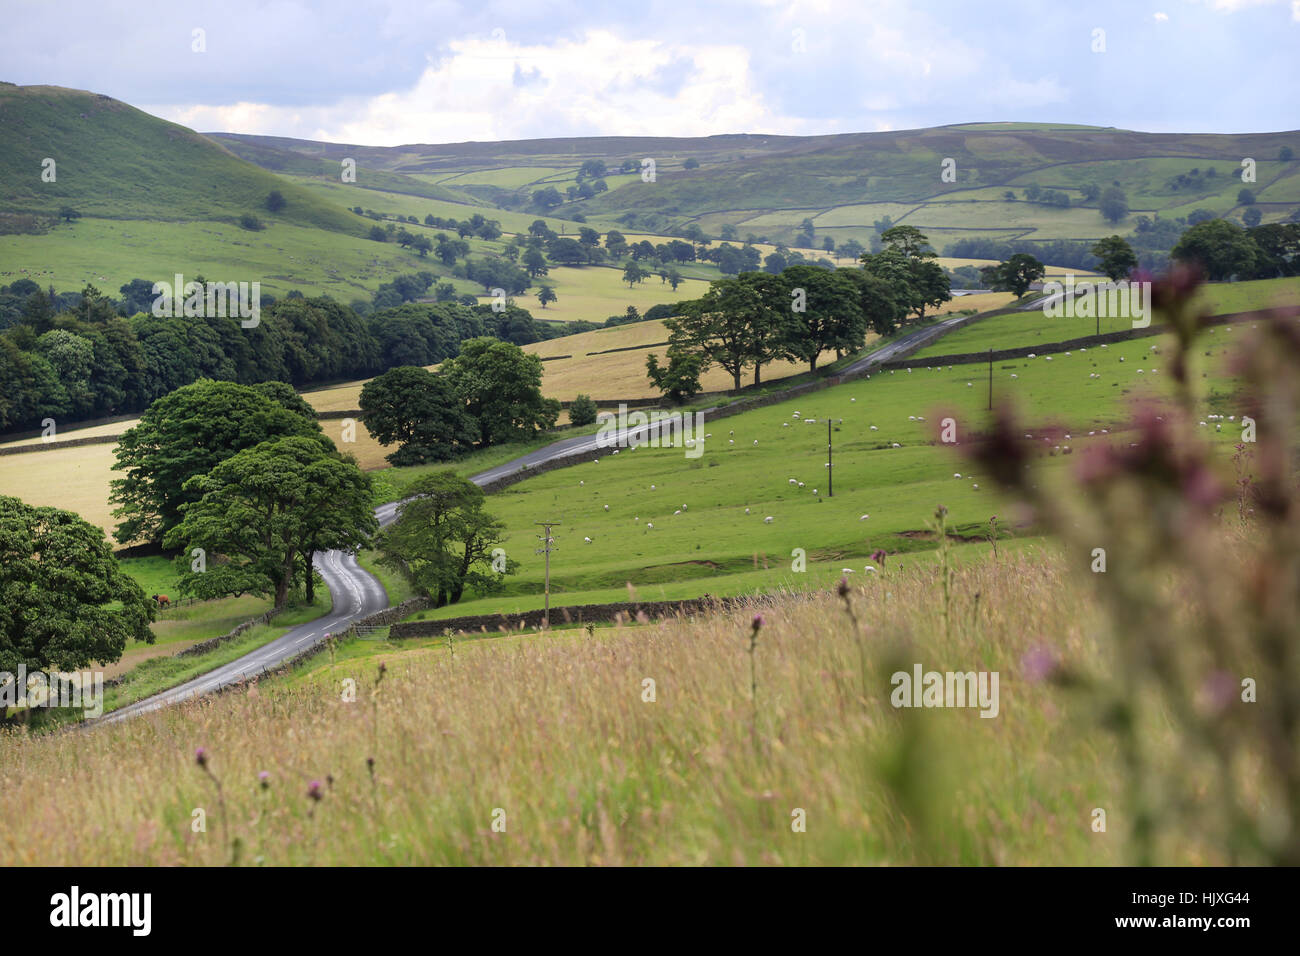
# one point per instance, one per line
(588, 540)
(864, 517)
(767, 520)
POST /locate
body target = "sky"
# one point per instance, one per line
(438, 71)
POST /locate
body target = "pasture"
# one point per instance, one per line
(681, 527)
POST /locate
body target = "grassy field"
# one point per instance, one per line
(679, 527)
(1021, 329)
(107, 253)
(556, 738)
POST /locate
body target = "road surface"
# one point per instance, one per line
(357, 593)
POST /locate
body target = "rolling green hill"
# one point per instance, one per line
(113, 161)
(767, 185)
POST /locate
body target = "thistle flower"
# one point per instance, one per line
(314, 791)
(201, 757)
(264, 780)
(757, 622)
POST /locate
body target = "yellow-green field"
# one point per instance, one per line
(77, 478)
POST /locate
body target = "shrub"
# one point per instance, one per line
(583, 411)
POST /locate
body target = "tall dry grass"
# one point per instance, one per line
(553, 730)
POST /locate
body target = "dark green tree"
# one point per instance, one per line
(419, 411)
(442, 541)
(582, 411)
(501, 387)
(1115, 257)
(264, 511)
(183, 435)
(65, 602)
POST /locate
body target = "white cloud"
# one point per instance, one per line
(1164, 17)
(484, 89)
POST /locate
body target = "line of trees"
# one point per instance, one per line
(757, 318)
(489, 394)
(73, 357)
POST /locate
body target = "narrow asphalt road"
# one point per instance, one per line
(357, 593)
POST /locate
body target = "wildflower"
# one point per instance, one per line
(757, 623)
(264, 780)
(314, 791)
(1039, 663)
(201, 757)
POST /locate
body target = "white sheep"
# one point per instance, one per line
(768, 520)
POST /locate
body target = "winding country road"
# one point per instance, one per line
(357, 593)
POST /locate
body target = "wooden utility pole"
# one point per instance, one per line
(547, 546)
(990, 380)
(830, 466)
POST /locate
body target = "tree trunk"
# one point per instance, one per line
(736, 378)
(311, 578)
(812, 363)
(282, 588)
(757, 368)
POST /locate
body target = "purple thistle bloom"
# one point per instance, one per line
(1039, 663)
(757, 622)
(201, 757)
(314, 790)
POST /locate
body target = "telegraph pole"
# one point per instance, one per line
(830, 467)
(990, 380)
(547, 546)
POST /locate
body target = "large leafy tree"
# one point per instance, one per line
(64, 600)
(261, 514)
(909, 264)
(770, 320)
(1016, 275)
(442, 541)
(186, 434)
(831, 317)
(884, 306)
(716, 326)
(501, 387)
(1278, 248)
(419, 411)
(1220, 247)
(679, 380)
(1115, 257)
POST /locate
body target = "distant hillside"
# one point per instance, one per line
(845, 184)
(115, 162)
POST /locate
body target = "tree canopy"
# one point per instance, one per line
(65, 603)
